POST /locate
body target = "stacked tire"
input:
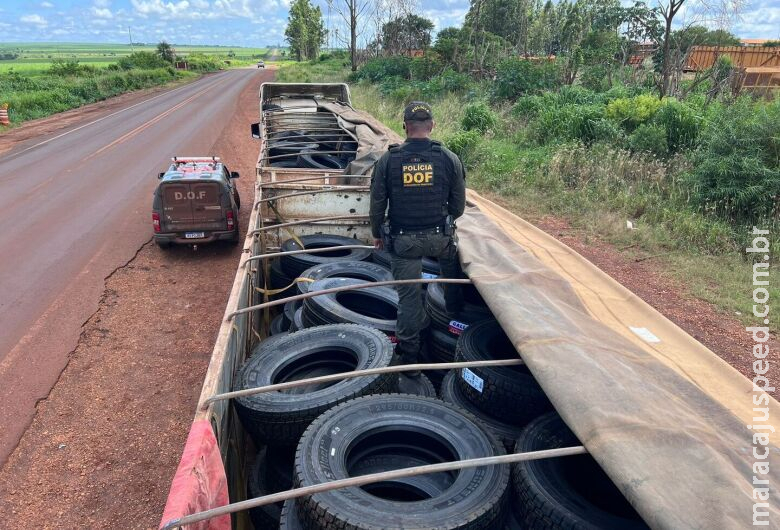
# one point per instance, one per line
(379, 433)
(376, 307)
(505, 398)
(284, 270)
(276, 420)
(567, 492)
(444, 331)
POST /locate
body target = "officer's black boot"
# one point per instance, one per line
(409, 354)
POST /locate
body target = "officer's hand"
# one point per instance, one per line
(379, 244)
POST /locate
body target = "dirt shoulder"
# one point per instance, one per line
(103, 448)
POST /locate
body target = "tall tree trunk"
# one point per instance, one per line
(667, 60)
(353, 33)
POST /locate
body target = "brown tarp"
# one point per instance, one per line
(664, 416)
(373, 136)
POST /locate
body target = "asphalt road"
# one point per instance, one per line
(74, 207)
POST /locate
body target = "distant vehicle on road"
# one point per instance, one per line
(260, 64)
(195, 202)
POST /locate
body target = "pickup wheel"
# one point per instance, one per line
(281, 417)
(450, 393)
(509, 393)
(570, 492)
(164, 245)
(377, 433)
(236, 198)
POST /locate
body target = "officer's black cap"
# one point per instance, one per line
(418, 111)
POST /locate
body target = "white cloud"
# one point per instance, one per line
(158, 7)
(102, 12)
(47, 5)
(34, 19)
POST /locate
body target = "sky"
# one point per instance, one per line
(253, 23)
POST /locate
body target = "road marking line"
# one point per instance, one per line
(151, 122)
(14, 155)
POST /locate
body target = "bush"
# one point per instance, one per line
(464, 144)
(585, 123)
(382, 68)
(680, 123)
(736, 168)
(478, 117)
(518, 77)
(595, 78)
(630, 113)
(63, 68)
(142, 61)
(424, 68)
(528, 107)
(649, 139)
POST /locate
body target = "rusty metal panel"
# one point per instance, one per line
(703, 57)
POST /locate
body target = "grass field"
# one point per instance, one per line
(36, 57)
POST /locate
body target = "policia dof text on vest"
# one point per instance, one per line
(418, 189)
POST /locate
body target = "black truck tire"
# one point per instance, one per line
(290, 519)
(415, 427)
(570, 492)
(262, 516)
(474, 309)
(508, 393)
(375, 307)
(416, 386)
(289, 311)
(278, 325)
(279, 468)
(279, 280)
(359, 270)
(294, 265)
(450, 392)
(281, 417)
(297, 323)
(315, 160)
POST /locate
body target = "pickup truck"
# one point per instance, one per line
(662, 418)
(196, 202)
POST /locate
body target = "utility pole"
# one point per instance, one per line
(131, 39)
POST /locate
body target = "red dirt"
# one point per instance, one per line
(103, 448)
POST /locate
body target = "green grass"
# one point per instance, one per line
(596, 189)
(37, 57)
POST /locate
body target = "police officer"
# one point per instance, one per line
(425, 186)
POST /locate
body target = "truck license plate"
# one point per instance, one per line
(194, 235)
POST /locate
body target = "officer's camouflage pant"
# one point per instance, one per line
(407, 253)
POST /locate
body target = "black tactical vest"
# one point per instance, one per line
(418, 187)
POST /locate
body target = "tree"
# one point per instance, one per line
(305, 30)
(353, 11)
(165, 52)
(407, 33)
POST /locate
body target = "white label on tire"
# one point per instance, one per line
(456, 328)
(473, 380)
(429, 276)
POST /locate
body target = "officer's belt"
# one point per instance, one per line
(425, 231)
